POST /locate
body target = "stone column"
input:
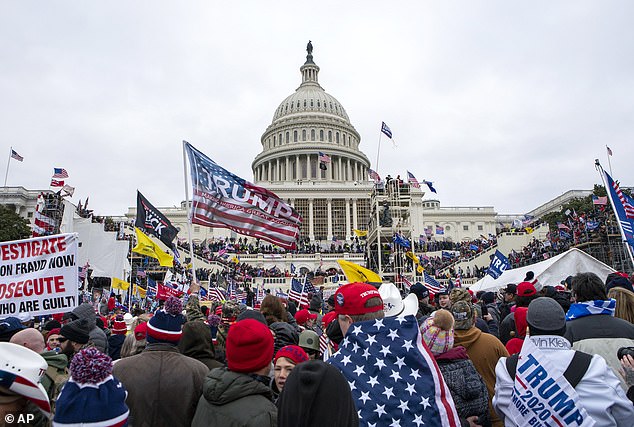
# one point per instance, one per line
(329, 232)
(354, 214)
(348, 231)
(349, 170)
(297, 168)
(311, 229)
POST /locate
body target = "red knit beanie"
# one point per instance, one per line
(249, 346)
(294, 353)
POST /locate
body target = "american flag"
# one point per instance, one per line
(458, 283)
(625, 201)
(215, 293)
(83, 271)
(393, 377)
(56, 183)
(60, 173)
(141, 273)
(412, 180)
(222, 199)
(15, 155)
(373, 175)
(406, 282)
(43, 225)
(324, 158)
(323, 343)
(431, 284)
(299, 292)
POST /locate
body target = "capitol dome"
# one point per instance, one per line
(305, 124)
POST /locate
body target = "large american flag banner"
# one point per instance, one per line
(298, 292)
(394, 379)
(222, 199)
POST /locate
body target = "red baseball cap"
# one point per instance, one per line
(526, 289)
(302, 316)
(327, 318)
(350, 299)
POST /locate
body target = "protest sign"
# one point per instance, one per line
(39, 276)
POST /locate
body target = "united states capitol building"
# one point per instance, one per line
(334, 198)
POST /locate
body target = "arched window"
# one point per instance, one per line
(337, 137)
(312, 134)
(321, 134)
(288, 137)
(303, 134)
(294, 136)
(329, 136)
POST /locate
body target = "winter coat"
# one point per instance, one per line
(97, 336)
(507, 328)
(163, 386)
(601, 334)
(599, 390)
(467, 388)
(484, 350)
(115, 342)
(196, 343)
(233, 399)
(56, 374)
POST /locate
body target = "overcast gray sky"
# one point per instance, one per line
(499, 103)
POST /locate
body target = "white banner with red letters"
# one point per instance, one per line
(39, 276)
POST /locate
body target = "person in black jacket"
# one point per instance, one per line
(316, 394)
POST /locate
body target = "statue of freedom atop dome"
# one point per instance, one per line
(309, 47)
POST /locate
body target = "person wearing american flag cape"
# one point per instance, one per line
(392, 375)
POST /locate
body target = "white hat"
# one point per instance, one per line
(393, 305)
(128, 319)
(21, 371)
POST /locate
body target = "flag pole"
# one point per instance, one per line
(6, 175)
(609, 152)
(189, 213)
(627, 248)
(378, 151)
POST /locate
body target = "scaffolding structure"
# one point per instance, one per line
(390, 210)
(48, 215)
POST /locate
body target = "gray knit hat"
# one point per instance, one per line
(546, 314)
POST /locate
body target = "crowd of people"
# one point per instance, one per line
(361, 356)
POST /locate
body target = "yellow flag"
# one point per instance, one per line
(529, 230)
(235, 260)
(356, 273)
(411, 255)
(420, 269)
(119, 284)
(145, 246)
(360, 233)
(139, 291)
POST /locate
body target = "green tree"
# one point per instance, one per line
(12, 226)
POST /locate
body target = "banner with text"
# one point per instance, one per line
(39, 276)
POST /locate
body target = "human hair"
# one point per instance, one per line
(372, 302)
(132, 346)
(624, 303)
(588, 287)
(522, 301)
(272, 309)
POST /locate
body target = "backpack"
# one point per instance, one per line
(574, 372)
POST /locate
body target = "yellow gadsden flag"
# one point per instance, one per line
(139, 291)
(145, 246)
(119, 284)
(360, 233)
(356, 273)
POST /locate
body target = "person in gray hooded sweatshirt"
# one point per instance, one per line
(97, 336)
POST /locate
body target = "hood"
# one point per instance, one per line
(466, 338)
(455, 353)
(85, 311)
(196, 341)
(54, 359)
(222, 386)
(285, 334)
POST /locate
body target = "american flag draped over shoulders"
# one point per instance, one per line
(394, 379)
(222, 199)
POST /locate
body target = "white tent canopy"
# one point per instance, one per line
(549, 272)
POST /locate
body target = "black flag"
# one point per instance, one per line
(151, 221)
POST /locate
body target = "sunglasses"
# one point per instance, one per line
(62, 339)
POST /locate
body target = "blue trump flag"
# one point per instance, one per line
(498, 265)
(393, 377)
(401, 241)
(624, 209)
